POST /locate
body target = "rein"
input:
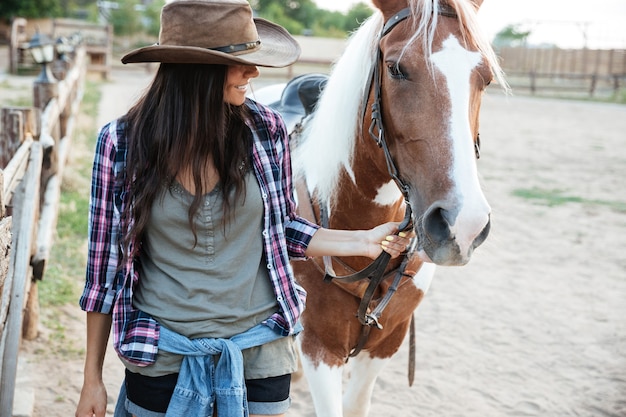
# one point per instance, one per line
(376, 270)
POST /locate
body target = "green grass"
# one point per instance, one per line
(619, 97)
(25, 100)
(7, 85)
(19, 102)
(555, 197)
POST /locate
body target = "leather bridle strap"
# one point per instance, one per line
(377, 118)
(371, 319)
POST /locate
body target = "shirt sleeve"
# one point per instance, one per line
(299, 233)
(99, 291)
(298, 230)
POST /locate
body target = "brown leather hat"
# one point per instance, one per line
(217, 32)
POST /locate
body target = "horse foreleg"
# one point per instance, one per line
(325, 385)
(364, 370)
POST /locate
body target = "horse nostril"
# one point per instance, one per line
(437, 223)
(482, 236)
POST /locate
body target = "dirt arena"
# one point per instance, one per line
(535, 325)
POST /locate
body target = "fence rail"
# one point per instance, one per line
(587, 71)
(33, 151)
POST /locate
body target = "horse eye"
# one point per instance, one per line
(395, 71)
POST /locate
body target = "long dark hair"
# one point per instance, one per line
(182, 122)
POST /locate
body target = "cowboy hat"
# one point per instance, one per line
(217, 32)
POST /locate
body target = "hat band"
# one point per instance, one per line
(229, 49)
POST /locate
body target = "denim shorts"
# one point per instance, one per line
(149, 396)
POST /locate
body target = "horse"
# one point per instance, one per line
(393, 137)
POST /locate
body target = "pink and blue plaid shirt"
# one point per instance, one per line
(109, 289)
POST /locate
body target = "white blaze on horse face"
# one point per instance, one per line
(456, 64)
(388, 194)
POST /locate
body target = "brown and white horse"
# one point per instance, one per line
(417, 69)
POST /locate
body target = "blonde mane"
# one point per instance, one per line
(327, 145)
(328, 139)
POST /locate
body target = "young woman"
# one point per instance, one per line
(192, 225)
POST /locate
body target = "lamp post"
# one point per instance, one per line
(63, 62)
(46, 87)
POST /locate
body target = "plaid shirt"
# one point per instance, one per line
(109, 289)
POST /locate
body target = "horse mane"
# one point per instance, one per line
(328, 139)
(329, 136)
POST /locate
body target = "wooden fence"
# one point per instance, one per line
(34, 144)
(587, 71)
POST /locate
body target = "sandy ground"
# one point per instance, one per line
(535, 325)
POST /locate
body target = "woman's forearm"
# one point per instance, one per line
(98, 329)
(369, 243)
(337, 243)
(93, 395)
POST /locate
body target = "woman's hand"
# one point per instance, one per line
(384, 237)
(93, 400)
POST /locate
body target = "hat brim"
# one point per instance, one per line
(278, 49)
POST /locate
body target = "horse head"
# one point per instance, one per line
(429, 66)
(433, 74)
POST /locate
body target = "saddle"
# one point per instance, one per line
(299, 98)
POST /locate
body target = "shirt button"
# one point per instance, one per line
(264, 196)
(279, 298)
(269, 266)
(265, 233)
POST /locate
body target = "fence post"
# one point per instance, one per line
(15, 121)
(594, 82)
(44, 91)
(533, 82)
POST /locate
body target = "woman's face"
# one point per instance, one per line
(237, 83)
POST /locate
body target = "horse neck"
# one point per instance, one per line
(366, 196)
(355, 208)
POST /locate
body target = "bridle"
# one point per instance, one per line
(376, 270)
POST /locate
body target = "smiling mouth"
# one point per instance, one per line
(242, 87)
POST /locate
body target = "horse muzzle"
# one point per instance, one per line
(447, 236)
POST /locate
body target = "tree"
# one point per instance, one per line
(511, 36)
(125, 18)
(276, 13)
(10, 9)
(330, 24)
(152, 18)
(297, 15)
(356, 16)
